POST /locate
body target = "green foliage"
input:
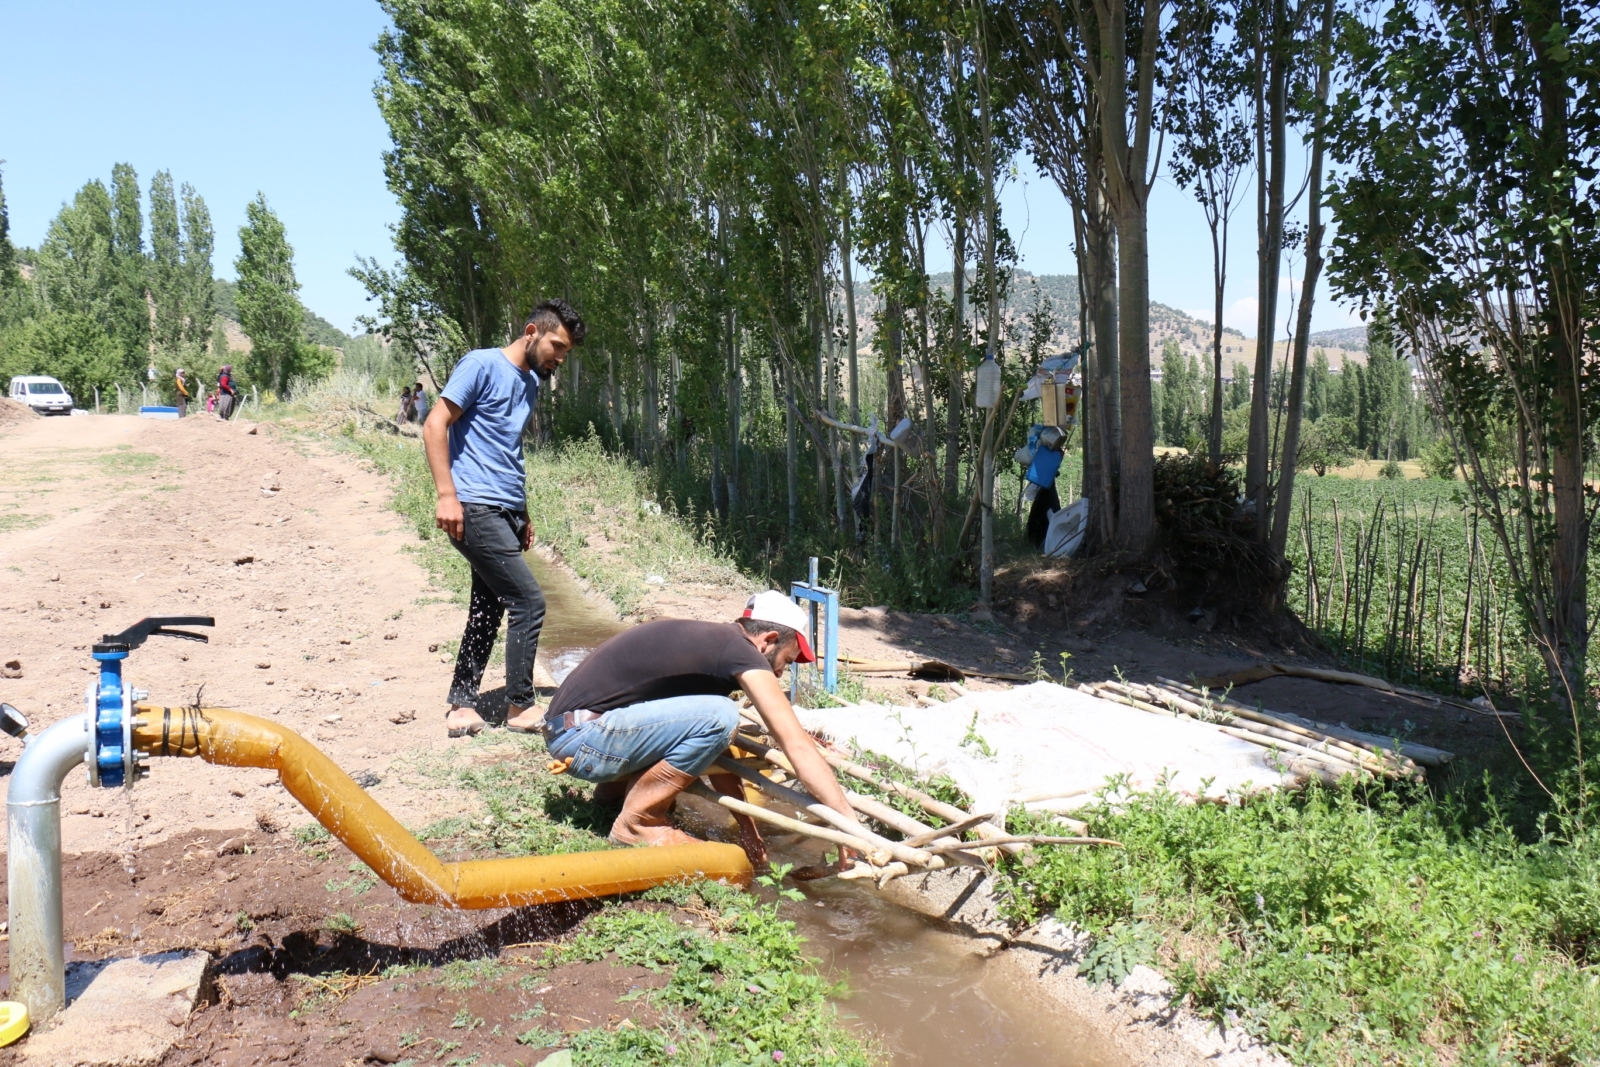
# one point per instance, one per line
(1467, 202)
(1120, 948)
(70, 346)
(269, 309)
(1343, 928)
(1390, 471)
(1440, 460)
(1326, 443)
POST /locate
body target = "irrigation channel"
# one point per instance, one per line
(920, 988)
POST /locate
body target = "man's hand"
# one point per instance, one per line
(450, 518)
(527, 535)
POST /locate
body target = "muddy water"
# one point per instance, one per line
(917, 987)
(573, 624)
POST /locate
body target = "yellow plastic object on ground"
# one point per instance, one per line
(234, 739)
(13, 1021)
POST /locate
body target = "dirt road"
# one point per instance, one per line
(323, 618)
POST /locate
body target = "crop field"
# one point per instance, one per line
(1402, 581)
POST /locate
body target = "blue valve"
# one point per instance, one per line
(110, 701)
(111, 709)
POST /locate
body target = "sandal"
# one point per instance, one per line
(471, 729)
(537, 728)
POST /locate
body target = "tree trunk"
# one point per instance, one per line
(1269, 254)
(1107, 382)
(1136, 491)
(958, 358)
(1569, 562)
(735, 405)
(1219, 277)
(791, 454)
(1127, 154)
(1283, 504)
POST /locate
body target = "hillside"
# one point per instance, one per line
(319, 331)
(1166, 323)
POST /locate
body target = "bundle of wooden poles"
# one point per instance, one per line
(1305, 749)
(923, 846)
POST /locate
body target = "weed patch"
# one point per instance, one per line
(1341, 927)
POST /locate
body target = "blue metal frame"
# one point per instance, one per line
(812, 596)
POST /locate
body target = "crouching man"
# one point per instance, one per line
(648, 712)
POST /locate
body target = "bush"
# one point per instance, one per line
(1391, 470)
(70, 347)
(1439, 461)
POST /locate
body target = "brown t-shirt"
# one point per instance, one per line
(665, 658)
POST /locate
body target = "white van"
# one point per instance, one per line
(41, 393)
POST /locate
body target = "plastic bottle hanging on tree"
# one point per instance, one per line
(988, 383)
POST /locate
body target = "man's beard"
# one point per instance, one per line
(545, 373)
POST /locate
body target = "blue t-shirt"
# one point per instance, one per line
(495, 399)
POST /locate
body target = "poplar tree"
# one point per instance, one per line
(269, 309)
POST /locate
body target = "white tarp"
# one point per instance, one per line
(1046, 739)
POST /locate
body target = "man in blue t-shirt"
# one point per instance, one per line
(473, 440)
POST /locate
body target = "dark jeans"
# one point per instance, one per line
(501, 582)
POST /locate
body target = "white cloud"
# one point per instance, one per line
(1241, 315)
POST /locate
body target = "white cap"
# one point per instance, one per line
(773, 606)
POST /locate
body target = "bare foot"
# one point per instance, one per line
(463, 722)
(526, 720)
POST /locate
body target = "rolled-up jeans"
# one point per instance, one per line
(689, 732)
(502, 583)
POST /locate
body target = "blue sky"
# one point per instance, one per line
(277, 97)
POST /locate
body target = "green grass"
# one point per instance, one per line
(744, 975)
(1343, 929)
(596, 510)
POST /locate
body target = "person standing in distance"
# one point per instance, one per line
(473, 441)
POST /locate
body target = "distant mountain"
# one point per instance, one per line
(1166, 323)
(319, 331)
(1352, 338)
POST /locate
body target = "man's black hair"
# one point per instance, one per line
(757, 627)
(557, 312)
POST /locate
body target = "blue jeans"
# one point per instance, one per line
(688, 732)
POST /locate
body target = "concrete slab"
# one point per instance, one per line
(122, 1013)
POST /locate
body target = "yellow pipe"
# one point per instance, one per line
(234, 739)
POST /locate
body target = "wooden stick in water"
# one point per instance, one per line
(954, 830)
(932, 805)
(821, 833)
(840, 822)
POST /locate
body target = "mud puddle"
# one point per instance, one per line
(918, 987)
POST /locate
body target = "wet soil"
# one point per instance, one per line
(303, 935)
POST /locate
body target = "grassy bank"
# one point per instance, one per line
(1343, 929)
(596, 510)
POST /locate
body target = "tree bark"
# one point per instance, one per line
(1283, 504)
(958, 356)
(1269, 253)
(1127, 155)
(1569, 563)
